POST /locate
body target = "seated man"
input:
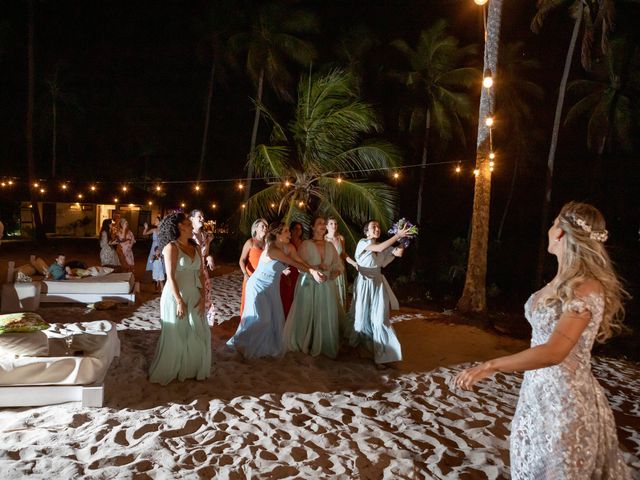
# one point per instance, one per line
(58, 271)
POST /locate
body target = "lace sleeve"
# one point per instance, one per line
(592, 303)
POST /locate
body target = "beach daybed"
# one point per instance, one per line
(119, 287)
(59, 377)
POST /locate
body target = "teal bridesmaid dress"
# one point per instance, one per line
(184, 347)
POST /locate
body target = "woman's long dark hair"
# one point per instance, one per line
(106, 224)
(169, 228)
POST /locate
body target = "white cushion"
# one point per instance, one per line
(112, 283)
(33, 344)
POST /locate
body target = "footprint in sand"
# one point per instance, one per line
(151, 427)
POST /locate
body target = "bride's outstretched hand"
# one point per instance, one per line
(467, 378)
(404, 232)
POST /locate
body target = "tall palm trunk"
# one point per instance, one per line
(205, 133)
(31, 167)
(254, 136)
(54, 140)
(423, 174)
(474, 298)
(546, 203)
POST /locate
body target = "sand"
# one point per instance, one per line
(297, 417)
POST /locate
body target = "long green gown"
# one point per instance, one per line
(184, 347)
(313, 324)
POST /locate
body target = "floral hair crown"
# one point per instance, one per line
(597, 235)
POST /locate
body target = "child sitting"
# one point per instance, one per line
(157, 269)
(57, 269)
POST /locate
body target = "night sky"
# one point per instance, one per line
(135, 76)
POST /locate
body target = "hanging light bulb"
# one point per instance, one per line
(125, 188)
(492, 156)
(149, 203)
(487, 79)
(480, 2)
(3, 184)
(214, 206)
(79, 196)
(273, 205)
(301, 204)
(36, 185)
(131, 205)
(158, 188)
(183, 205)
(339, 180)
(396, 175)
(42, 190)
(458, 169)
(476, 172)
(287, 183)
(93, 188)
(491, 164)
(115, 200)
(240, 186)
(491, 168)
(10, 182)
(489, 121)
(243, 206)
(197, 188)
(64, 186)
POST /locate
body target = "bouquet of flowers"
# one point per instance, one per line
(399, 225)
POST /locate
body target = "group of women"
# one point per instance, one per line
(563, 426)
(116, 243)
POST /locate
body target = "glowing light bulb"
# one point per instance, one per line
(491, 169)
(396, 175)
(36, 185)
(480, 2)
(10, 182)
(240, 186)
(492, 155)
(339, 180)
(131, 205)
(64, 186)
(491, 164)
(115, 200)
(243, 206)
(42, 190)
(476, 172)
(125, 188)
(79, 196)
(458, 169)
(214, 206)
(489, 121)
(487, 81)
(197, 188)
(149, 203)
(3, 184)
(287, 183)
(273, 205)
(301, 204)
(92, 188)
(183, 205)
(158, 188)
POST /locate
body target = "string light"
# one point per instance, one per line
(79, 196)
(197, 188)
(183, 205)
(64, 186)
(339, 180)
(125, 188)
(487, 80)
(240, 186)
(92, 188)
(3, 184)
(158, 188)
(42, 190)
(458, 169)
(243, 206)
(301, 204)
(131, 205)
(476, 172)
(149, 203)
(287, 183)
(214, 206)
(115, 200)
(36, 185)
(10, 182)
(489, 121)
(273, 205)
(492, 156)
(396, 175)
(491, 164)
(480, 2)
(491, 168)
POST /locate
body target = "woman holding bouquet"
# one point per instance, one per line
(313, 323)
(373, 298)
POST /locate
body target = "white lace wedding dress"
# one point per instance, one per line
(563, 427)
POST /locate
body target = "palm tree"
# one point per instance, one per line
(514, 98)
(31, 166)
(318, 162)
(585, 12)
(220, 19)
(353, 49)
(439, 83)
(58, 97)
(270, 43)
(474, 298)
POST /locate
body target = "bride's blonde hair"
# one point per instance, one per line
(585, 258)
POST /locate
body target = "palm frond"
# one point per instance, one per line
(259, 206)
(270, 160)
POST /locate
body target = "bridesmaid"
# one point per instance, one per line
(260, 331)
(290, 275)
(373, 298)
(313, 324)
(184, 347)
(108, 255)
(125, 246)
(337, 241)
(251, 252)
(203, 240)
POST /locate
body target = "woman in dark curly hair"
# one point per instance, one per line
(184, 347)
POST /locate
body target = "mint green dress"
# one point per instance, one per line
(313, 324)
(184, 347)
